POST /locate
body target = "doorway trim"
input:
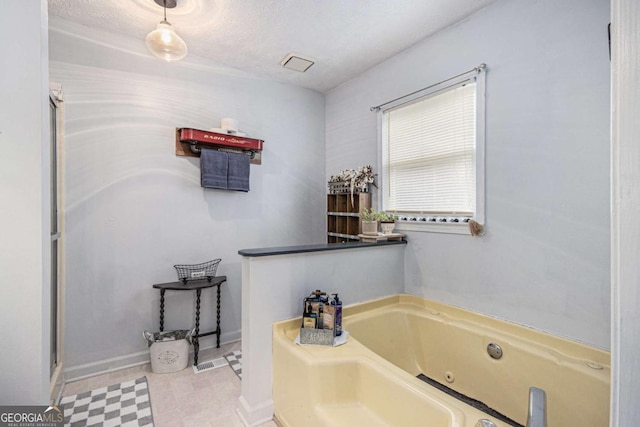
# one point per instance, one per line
(625, 210)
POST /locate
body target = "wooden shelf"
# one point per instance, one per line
(187, 137)
(380, 237)
(343, 219)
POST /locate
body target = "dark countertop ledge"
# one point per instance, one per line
(284, 250)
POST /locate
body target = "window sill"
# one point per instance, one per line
(434, 227)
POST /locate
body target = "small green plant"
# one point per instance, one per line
(386, 217)
(368, 214)
(373, 215)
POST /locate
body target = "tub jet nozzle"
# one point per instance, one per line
(494, 350)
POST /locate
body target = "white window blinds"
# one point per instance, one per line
(429, 162)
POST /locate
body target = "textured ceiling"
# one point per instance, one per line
(344, 37)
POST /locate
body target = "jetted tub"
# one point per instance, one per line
(372, 379)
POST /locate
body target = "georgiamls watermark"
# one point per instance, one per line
(31, 416)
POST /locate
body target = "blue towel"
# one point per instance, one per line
(239, 168)
(214, 166)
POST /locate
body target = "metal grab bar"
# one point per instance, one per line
(537, 416)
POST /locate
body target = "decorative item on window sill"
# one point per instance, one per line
(451, 219)
(475, 228)
(190, 141)
(352, 181)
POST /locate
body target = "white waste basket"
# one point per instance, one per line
(169, 351)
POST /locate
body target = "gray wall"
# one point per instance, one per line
(544, 261)
(134, 209)
(24, 204)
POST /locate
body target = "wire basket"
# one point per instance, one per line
(205, 270)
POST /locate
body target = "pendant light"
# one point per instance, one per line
(163, 42)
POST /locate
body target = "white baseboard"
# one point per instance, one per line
(79, 372)
(256, 415)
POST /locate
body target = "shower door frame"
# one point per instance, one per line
(56, 352)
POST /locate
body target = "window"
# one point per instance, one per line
(433, 156)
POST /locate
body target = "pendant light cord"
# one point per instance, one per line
(165, 10)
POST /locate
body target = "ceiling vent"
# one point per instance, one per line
(293, 61)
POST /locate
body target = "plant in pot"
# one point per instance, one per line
(387, 222)
(369, 218)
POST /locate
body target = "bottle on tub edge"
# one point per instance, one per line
(309, 319)
(337, 313)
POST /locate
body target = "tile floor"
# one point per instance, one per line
(183, 399)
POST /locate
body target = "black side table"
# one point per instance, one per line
(198, 286)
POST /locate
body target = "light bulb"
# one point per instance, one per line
(164, 43)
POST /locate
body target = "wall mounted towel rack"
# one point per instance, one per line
(190, 141)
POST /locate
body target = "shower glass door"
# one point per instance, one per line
(55, 234)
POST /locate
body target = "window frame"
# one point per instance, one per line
(419, 224)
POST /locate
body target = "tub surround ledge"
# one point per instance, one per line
(287, 250)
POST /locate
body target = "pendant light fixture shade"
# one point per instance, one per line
(164, 43)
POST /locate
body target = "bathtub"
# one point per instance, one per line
(372, 379)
